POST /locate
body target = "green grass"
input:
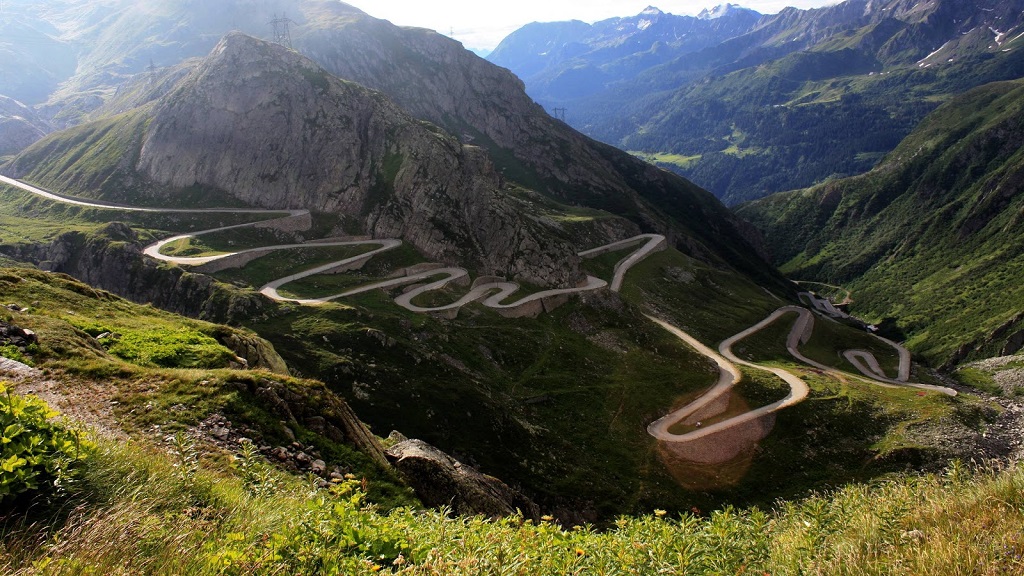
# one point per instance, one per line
(138, 511)
(677, 160)
(285, 262)
(831, 338)
(534, 401)
(559, 404)
(162, 372)
(227, 241)
(320, 285)
(710, 303)
(72, 315)
(977, 379)
(603, 266)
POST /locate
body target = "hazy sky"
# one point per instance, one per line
(482, 24)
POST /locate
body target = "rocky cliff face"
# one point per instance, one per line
(20, 126)
(112, 260)
(435, 79)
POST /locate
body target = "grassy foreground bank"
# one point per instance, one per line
(136, 509)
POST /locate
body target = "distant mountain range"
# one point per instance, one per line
(562, 61)
(747, 106)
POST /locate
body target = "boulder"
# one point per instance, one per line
(440, 480)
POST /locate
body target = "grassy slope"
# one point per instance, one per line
(559, 404)
(164, 372)
(930, 238)
(137, 511)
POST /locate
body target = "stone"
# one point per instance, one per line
(318, 467)
(440, 480)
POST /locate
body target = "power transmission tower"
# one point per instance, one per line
(151, 70)
(559, 113)
(282, 35)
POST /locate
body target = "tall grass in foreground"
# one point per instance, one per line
(141, 511)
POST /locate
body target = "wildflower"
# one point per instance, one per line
(399, 561)
(695, 511)
(580, 552)
(350, 476)
(659, 512)
(547, 518)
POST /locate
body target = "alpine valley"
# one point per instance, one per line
(333, 296)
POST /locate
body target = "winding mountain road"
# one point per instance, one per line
(730, 375)
(492, 294)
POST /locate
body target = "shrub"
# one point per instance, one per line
(34, 450)
(170, 348)
(12, 352)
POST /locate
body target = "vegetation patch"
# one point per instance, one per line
(36, 453)
(170, 348)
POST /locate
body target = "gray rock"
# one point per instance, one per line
(318, 467)
(440, 480)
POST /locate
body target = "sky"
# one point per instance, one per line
(480, 24)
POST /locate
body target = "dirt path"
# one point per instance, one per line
(87, 402)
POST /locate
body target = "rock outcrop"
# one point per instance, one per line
(440, 480)
(317, 409)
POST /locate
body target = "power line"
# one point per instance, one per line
(282, 35)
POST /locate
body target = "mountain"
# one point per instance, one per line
(34, 59)
(803, 95)
(274, 130)
(20, 126)
(564, 61)
(931, 241)
(431, 77)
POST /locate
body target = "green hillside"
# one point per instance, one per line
(137, 511)
(930, 241)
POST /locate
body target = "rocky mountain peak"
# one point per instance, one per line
(718, 11)
(274, 129)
